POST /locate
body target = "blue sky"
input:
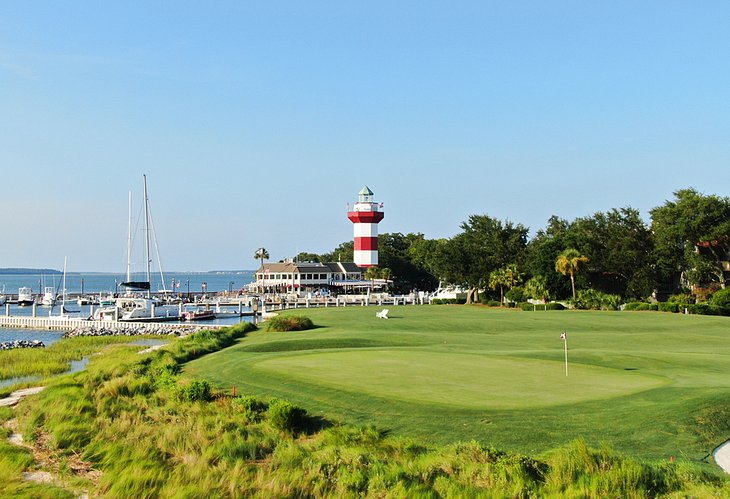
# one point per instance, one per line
(256, 122)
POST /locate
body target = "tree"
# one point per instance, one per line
(537, 288)
(484, 245)
(692, 234)
(620, 245)
(506, 277)
(261, 254)
(568, 262)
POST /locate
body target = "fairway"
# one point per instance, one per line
(461, 380)
(647, 383)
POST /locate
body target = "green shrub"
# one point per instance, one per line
(437, 301)
(196, 391)
(285, 416)
(682, 298)
(721, 298)
(591, 299)
(516, 294)
(642, 307)
(632, 305)
(555, 306)
(668, 307)
(493, 303)
(252, 408)
(529, 307)
(282, 323)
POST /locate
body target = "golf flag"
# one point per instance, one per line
(563, 336)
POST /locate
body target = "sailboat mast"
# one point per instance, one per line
(148, 260)
(129, 240)
(63, 302)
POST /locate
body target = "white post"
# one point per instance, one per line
(565, 343)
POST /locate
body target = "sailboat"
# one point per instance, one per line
(137, 304)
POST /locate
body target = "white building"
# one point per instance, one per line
(307, 277)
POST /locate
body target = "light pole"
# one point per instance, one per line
(187, 282)
(230, 286)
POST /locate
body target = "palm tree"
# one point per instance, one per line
(499, 279)
(537, 288)
(568, 262)
(261, 254)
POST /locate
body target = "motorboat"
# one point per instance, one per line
(138, 309)
(25, 297)
(198, 315)
(49, 296)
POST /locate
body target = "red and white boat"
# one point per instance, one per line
(198, 315)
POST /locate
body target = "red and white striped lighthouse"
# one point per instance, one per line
(365, 215)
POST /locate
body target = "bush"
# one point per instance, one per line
(682, 298)
(591, 299)
(196, 391)
(282, 323)
(285, 416)
(643, 307)
(555, 306)
(668, 307)
(516, 294)
(632, 305)
(492, 303)
(721, 298)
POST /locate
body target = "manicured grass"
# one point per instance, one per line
(645, 383)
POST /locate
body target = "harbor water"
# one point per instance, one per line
(96, 283)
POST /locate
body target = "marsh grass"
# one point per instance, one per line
(148, 442)
(54, 359)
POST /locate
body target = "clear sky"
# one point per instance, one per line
(256, 122)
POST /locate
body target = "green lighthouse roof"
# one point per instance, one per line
(365, 191)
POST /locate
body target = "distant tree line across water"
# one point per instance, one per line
(684, 248)
(14, 271)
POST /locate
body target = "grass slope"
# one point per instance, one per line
(649, 384)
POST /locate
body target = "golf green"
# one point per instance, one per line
(458, 379)
(649, 383)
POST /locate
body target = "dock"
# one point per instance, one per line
(72, 323)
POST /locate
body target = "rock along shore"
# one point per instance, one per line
(135, 329)
(9, 345)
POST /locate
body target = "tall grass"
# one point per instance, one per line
(149, 442)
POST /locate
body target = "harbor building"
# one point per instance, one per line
(290, 276)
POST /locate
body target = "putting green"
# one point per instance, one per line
(458, 379)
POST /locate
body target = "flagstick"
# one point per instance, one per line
(565, 341)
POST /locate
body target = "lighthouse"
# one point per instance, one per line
(365, 215)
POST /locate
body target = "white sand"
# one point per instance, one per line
(722, 456)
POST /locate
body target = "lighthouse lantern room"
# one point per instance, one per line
(365, 215)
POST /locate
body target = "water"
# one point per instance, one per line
(76, 366)
(107, 283)
(47, 337)
(95, 283)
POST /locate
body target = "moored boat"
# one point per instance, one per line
(198, 315)
(25, 297)
(49, 296)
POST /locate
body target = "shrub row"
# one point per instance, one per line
(529, 307)
(448, 301)
(691, 308)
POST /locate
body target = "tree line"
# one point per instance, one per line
(685, 247)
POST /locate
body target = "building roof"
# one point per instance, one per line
(310, 267)
(365, 191)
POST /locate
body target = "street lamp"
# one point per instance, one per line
(187, 282)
